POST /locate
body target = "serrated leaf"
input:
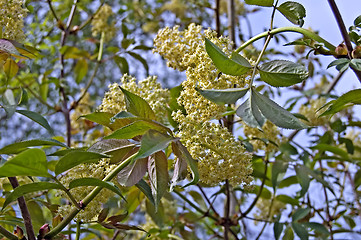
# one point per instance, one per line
(31, 162)
(133, 173)
(277, 229)
(179, 172)
(264, 3)
(293, 11)
(145, 188)
(356, 64)
(300, 230)
(181, 152)
(344, 101)
(95, 182)
(282, 73)
(137, 105)
(21, 146)
(223, 96)
(36, 117)
(7, 46)
(250, 114)
(235, 67)
(158, 176)
(300, 214)
(80, 70)
(75, 158)
(29, 188)
(275, 113)
(152, 141)
(11, 68)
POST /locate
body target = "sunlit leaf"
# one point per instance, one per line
(250, 114)
(223, 96)
(293, 11)
(21, 146)
(348, 99)
(95, 182)
(36, 117)
(137, 105)
(264, 3)
(80, 70)
(133, 173)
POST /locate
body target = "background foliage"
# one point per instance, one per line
(236, 138)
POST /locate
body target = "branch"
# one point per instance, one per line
(24, 211)
(53, 11)
(344, 33)
(7, 234)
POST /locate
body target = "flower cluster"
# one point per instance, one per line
(185, 50)
(220, 156)
(103, 23)
(267, 139)
(267, 208)
(95, 170)
(149, 89)
(310, 112)
(12, 16)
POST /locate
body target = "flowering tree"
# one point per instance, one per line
(212, 157)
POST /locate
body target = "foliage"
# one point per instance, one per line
(142, 161)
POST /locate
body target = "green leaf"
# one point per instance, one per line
(279, 169)
(223, 96)
(356, 64)
(7, 46)
(11, 68)
(250, 113)
(104, 118)
(9, 102)
(357, 178)
(145, 188)
(300, 214)
(303, 179)
(282, 73)
(135, 129)
(29, 188)
(122, 64)
(141, 60)
(357, 21)
(333, 149)
(152, 141)
(234, 67)
(137, 105)
(181, 152)
(300, 230)
(36, 117)
(287, 199)
(350, 98)
(31, 162)
(21, 146)
(179, 172)
(293, 11)
(317, 227)
(275, 113)
(133, 173)
(264, 3)
(95, 182)
(158, 176)
(289, 235)
(80, 70)
(75, 158)
(288, 182)
(277, 229)
(341, 64)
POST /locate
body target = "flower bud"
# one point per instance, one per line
(356, 53)
(43, 231)
(341, 51)
(19, 233)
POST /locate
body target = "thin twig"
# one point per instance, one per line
(207, 199)
(226, 211)
(217, 18)
(53, 11)
(24, 211)
(7, 234)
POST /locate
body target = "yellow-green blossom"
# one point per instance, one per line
(84, 107)
(310, 111)
(12, 16)
(220, 156)
(149, 89)
(268, 139)
(102, 22)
